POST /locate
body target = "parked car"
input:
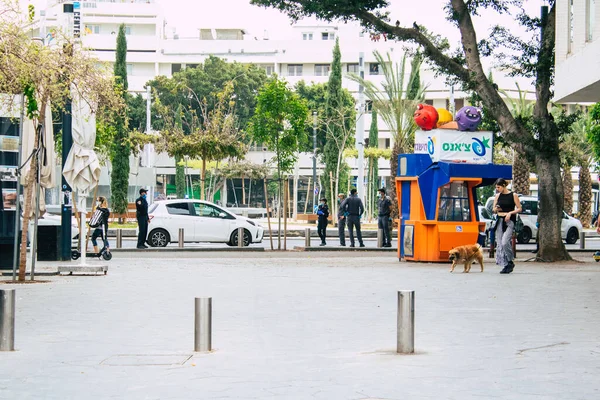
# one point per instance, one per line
(570, 227)
(202, 221)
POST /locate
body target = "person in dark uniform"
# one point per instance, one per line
(323, 214)
(353, 205)
(341, 220)
(384, 205)
(141, 213)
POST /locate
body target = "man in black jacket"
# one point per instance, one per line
(323, 214)
(141, 214)
(354, 208)
(341, 220)
(384, 205)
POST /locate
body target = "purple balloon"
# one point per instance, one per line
(468, 118)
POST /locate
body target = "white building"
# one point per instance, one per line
(304, 52)
(577, 77)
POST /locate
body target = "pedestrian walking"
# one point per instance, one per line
(341, 215)
(384, 210)
(353, 205)
(323, 214)
(101, 226)
(506, 206)
(141, 214)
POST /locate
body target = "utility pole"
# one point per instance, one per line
(360, 129)
(314, 177)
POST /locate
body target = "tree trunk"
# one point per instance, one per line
(568, 189)
(393, 172)
(585, 196)
(30, 182)
(551, 247)
(202, 178)
(520, 183)
(179, 178)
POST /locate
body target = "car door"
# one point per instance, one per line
(212, 224)
(181, 216)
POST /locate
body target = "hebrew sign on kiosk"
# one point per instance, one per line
(456, 146)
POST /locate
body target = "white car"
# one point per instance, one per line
(485, 216)
(202, 221)
(570, 227)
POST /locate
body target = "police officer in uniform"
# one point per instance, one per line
(323, 214)
(341, 220)
(141, 213)
(384, 205)
(353, 205)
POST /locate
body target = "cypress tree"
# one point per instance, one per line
(179, 168)
(334, 118)
(119, 178)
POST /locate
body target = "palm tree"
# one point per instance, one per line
(395, 102)
(521, 108)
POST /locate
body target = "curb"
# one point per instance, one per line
(346, 248)
(188, 249)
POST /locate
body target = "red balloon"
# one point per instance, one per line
(426, 117)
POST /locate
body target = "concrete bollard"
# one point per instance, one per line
(582, 240)
(7, 320)
(379, 237)
(181, 238)
(240, 238)
(406, 322)
(306, 237)
(203, 324)
(119, 238)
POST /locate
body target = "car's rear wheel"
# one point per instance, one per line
(158, 238)
(233, 241)
(572, 236)
(525, 236)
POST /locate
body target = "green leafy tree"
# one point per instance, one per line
(531, 56)
(179, 166)
(314, 96)
(119, 177)
(279, 123)
(396, 102)
(373, 175)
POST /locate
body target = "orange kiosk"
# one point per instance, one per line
(437, 202)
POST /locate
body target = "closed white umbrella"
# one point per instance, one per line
(82, 167)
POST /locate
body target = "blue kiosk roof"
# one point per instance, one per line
(432, 176)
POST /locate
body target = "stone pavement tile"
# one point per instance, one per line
(296, 327)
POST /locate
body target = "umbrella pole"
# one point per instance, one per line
(81, 197)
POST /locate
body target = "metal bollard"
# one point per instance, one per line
(379, 237)
(582, 240)
(306, 237)
(181, 237)
(406, 322)
(203, 324)
(119, 238)
(7, 320)
(241, 238)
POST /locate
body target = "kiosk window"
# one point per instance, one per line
(454, 202)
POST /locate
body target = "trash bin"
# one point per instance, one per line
(49, 242)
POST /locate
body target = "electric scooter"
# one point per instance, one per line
(103, 253)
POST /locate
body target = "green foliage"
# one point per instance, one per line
(593, 129)
(179, 177)
(31, 109)
(279, 122)
(370, 153)
(119, 182)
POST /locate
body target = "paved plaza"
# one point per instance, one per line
(306, 326)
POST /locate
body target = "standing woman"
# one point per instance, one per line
(507, 206)
(101, 230)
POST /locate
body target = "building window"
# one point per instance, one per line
(191, 65)
(571, 27)
(129, 69)
(127, 30)
(328, 35)
(430, 102)
(369, 106)
(387, 143)
(92, 29)
(307, 36)
(295, 70)
(322, 69)
(352, 68)
(373, 68)
(590, 11)
(175, 68)
(269, 69)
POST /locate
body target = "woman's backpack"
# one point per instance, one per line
(96, 219)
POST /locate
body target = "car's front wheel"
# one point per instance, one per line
(525, 236)
(572, 236)
(158, 238)
(233, 241)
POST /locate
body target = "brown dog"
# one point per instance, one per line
(467, 254)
